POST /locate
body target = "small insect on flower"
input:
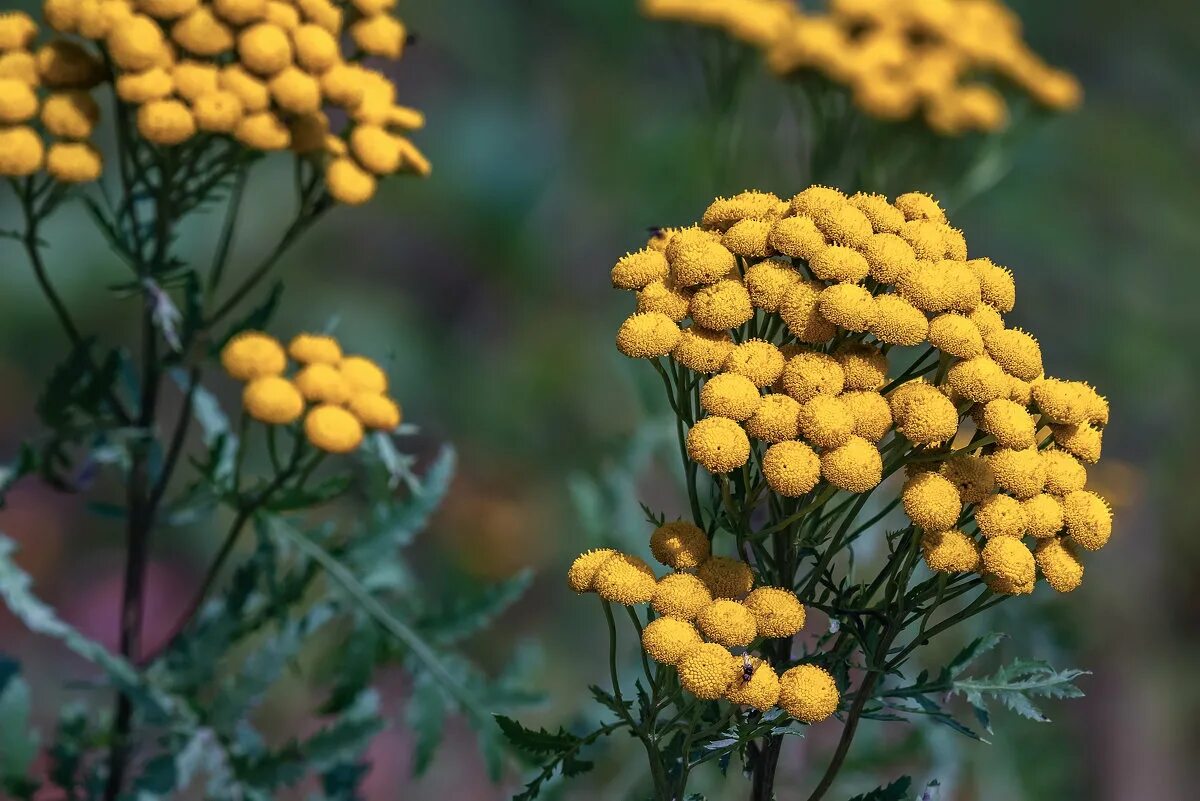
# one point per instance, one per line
(747, 668)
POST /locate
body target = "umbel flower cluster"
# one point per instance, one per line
(795, 308)
(337, 395)
(940, 59)
(268, 73)
(45, 100)
(706, 607)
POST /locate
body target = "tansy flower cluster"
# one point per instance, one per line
(785, 312)
(266, 72)
(337, 395)
(898, 58)
(706, 607)
(45, 100)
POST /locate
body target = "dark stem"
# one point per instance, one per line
(843, 746)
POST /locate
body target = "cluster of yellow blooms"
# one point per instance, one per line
(794, 307)
(705, 607)
(262, 71)
(897, 57)
(347, 393)
(48, 84)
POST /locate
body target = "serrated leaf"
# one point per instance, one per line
(468, 613)
(896, 791)
(971, 652)
(425, 715)
(539, 741)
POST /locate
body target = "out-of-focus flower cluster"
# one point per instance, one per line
(707, 606)
(337, 395)
(45, 99)
(794, 307)
(899, 58)
(272, 74)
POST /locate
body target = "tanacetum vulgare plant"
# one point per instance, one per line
(201, 91)
(844, 358)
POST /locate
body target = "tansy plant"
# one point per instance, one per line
(834, 364)
(200, 91)
(908, 73)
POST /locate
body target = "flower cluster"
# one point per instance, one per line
(707, 606)
(898, 57)
(46, 87)
(338, 395)
(265, 72)
(794, 309)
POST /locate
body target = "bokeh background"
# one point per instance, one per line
(559, 130)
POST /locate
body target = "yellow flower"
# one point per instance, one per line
(374, 410)
(871, 413)
(799, 310)
(316, 48)
(21, 65)
(21, 151)
(273, 399)
(797, 237)
(707, 670)
(931, 501)
(1009, 560)
(1059, 564)
(724, 304)
(136, 44)
(838, 263)
(817, 201)
(998, 288)
(379, 35)
(956, 335)
(349, 183)
(844, 224)
(217, 112)
(296, 91)
(342, 84)
(166, 122)
(680, 595)
(264, 48)
(949, 551)
(1001, 516)
(776, 419)
(926, 286)
(696, 258)
(809, 374)
(825, 421)
(1064, 473)
(855, 466)
(925, 237)
(1080, 440)
(971, 475)
(1020, 472)
(253, 354)
(375, 149)
(919, 206)
(791, 468)
(61, 15)
(323, 383)
(18, 103)
(849, 306)
(1008, 422)
(668, 640)
(679, 544)
(142, 87)
(986, 319)
(17, 30)
(167, 9)
(777, 612)
(760, 691)
(730, 395)
(718, 444)
(865, 367)
(333, 429)
(884, 217)
(808, 693)
(723, 213)
(582, 573)
(648, 335)
(315, 349)
(252, 92)
(1088, 519)
(1045, 514)
(1015, 351)
(899, 322)
(638, 270)
(323, 13)
(193, 79)
(263, 130)
(888, 257)
(979, 379)
(727, 623)
(73, 162)
(1063, 402)
(725, 577)
(240, 12)
(748, 239)
(201, 33)
(923, 414)
(663, 296)
(625, 579)
(363, 374)
(702, 350)
(759, 361)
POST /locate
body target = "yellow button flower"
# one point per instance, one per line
(724, 304)
(679, 544)
(707, 671)
(582, 573)
(253, 354)
(667, 640)
(217, 112)
(18, 103)
(1088, 519)
(718, 444)
(825, 421)
(349, 183)
(21, 151)
(791, 468)
(648, 335)
(1001, 516)
(1009, 560)
(725, 577)
(1020, 472)
(776, 420)
(855, 466)
(899, 322)
(1059, 564)
(871, 414)
(760, 361)
(379, 35)
(637, 270)
(273, 400)
(949, 551)
(264, 48)
(333, 429)
(797, 237)
(625, 579)
(730, 395)
(263, 130)
(166, 122)
(760, 690)
(727, 623)
(323, 383)
(971, 475)
(73, 162)
(808, 693)
(931, 501)
(702, 350)
(680, 595)
(696, 258)
(777, 612)
(202, 33)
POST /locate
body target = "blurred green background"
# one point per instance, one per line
(559, 130)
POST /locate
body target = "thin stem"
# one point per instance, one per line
(228, 230)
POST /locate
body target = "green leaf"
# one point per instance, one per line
(1015, 686)
(896, 791)
(18, 742)
(973, 651)
(538, 742)
(426, 716)
(468, 613)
